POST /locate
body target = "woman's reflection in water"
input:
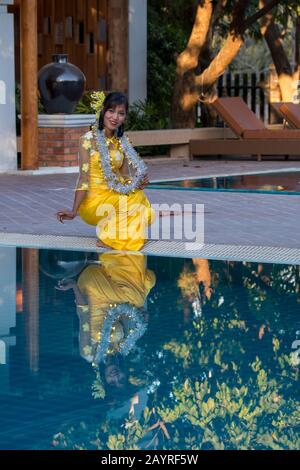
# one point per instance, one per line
(110, 299)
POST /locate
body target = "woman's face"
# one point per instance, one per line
(114, 117)
(114, 376)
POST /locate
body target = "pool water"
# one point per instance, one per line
(119, 351)
(274, 183)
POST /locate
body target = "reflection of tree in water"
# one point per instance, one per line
(265, 294)
(224, 382)
(195, 285)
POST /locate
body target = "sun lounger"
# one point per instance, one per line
(252, 136)
(291, 112)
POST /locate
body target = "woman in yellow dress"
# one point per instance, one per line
(109, 191)
(120, 283)
(110, 299)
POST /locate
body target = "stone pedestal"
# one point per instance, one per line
(8, 149)
(59, 136)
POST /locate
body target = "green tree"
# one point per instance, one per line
(273, 28)
(169, 23)
(198, 67)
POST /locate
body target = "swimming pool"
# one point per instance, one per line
(203, 355)
(287, 182)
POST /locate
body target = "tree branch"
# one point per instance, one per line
(238, 16)
(286, 76)
(263, 11)
(218, 10)
(188, 59)
(270, 31)
(233, 43)
(219, 64)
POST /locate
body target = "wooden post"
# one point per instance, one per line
(118, 45)
(31, 305)
(29, 68)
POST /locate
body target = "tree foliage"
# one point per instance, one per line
(199, 66)
(225, 382)
(169, 24)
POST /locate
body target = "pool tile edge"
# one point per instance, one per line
(263, 254)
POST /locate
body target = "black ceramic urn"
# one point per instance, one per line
(61, 85)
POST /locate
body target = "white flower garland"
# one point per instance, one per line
(133, 158)
(136, 326)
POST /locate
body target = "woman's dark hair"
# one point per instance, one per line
(113, 393)
(111, 101)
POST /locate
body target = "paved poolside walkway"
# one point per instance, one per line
(28, 204)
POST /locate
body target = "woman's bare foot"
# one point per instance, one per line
(100, 244)
(165, 213)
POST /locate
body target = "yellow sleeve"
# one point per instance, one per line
(85, 340)
(85, 146)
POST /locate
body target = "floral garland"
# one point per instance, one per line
(97, 100)
(136, 326)
(133, 158)
(113, 181)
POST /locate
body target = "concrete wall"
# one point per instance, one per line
(8, 144)
(137, 55)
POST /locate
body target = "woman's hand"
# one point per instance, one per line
(65, 215)
(65, 284)
(144, 182)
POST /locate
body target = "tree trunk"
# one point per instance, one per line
(288, 86)
(297, 45)
(208, 113)
(205, 81)
(192, 87)
(203, 275)
(189, 87)
(287, 78)
(182, 114)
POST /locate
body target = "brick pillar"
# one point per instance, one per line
(59, 136)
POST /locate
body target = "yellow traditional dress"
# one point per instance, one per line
(121, 220)
(120, 278)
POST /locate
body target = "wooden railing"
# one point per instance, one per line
(252, 87)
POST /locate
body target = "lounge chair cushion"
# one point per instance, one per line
(276, 107)
(292, 113)
(235, 112)
(276, 134)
